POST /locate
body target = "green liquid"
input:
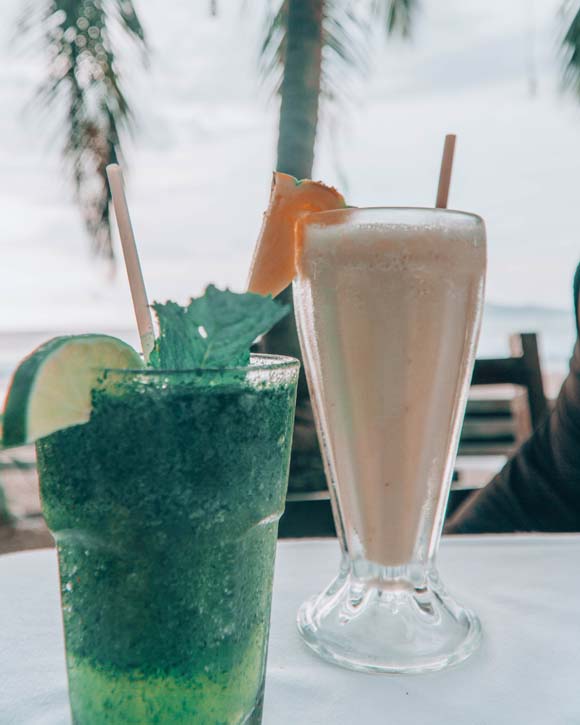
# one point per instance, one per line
(165, 509)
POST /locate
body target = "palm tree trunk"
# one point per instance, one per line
(300, 89)
(300, 94)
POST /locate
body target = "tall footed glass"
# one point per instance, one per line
(388, 302)
(165, 510)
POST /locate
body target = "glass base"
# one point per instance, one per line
(396, 621)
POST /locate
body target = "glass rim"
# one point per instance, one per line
(270, 363)
(431, 209)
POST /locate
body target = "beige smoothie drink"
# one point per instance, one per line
(389, 317)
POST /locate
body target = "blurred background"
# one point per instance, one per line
(205, 117)
(187, 96)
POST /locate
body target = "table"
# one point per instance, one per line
(525, 589)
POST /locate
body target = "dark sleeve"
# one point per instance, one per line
(539, 487)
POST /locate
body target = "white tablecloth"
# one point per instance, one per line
(526, 590)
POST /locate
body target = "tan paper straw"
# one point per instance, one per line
(445, 173)
(136, 283)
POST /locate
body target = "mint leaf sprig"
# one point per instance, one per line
(215, 330)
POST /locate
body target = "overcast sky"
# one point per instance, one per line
(201, 161)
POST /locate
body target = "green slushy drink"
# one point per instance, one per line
(165, 509)
(163, 482)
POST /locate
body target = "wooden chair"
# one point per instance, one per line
(522, 369)
(496, 424)
(492, 428)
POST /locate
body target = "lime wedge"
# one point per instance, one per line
(51, 389)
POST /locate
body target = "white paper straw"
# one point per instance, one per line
(134, 273)
(445, 172)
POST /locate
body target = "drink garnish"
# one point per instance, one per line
(52, 387)
(274, 262)
(214, 330)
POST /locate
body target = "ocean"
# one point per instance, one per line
(555, 329)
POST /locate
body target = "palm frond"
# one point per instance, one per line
(83, 86)
(272, 48)
(344, 49)
(571, 47)
(344, 35)
(347, 28)
(398, 15)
